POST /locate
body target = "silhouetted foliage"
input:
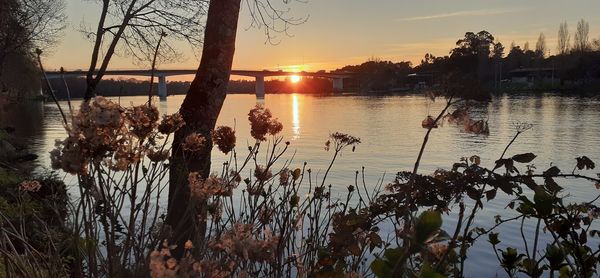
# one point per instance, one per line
(480, 57)
(26, 25)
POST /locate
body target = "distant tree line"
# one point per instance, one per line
(480, 56)
(136, 87)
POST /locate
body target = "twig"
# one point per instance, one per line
(39, 52)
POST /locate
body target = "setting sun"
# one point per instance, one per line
(295, 78)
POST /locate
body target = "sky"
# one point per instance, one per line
(346, 32)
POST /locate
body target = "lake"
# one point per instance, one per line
(564, 127)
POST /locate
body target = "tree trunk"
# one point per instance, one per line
(200, 110)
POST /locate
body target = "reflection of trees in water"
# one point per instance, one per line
(27, 118)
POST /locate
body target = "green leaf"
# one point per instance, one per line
(493, 238)
(428, 272)
(296, 174)
(555, 256)
(552, 171)
(383, 267)
(529, 182)
(585, 162)
(473, 193)
(428, 223)
(543, 202)
(490, 194)
(393, 254)
(380, 268)
(552, 186)
(564, 272)
(524, 158)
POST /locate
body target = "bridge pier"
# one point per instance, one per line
(338, 84)
(259, 87)
(162, 87)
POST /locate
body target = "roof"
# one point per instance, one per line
(525, 70)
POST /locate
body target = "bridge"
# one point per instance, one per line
(337, 77)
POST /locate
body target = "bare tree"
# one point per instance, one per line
(27, 25)
(564, 39)
(582, 43)
(526, 47)
(540, 46)
(135, 27)
(272, 19)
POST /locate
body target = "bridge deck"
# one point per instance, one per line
(173, 72)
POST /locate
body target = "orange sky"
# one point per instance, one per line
(342, 32)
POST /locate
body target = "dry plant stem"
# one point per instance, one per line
(62, 75)
(474, 210)
(573, 268)
(452, 242)
(51, 90)
(535, 241)
(523, 236)
(397, 270)
(426, 138)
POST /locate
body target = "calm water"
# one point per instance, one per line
(390, 129)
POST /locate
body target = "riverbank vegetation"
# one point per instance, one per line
(26, 25)
(266, 215)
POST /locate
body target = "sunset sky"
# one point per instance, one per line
(342, 32)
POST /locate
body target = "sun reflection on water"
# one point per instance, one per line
(295, 117)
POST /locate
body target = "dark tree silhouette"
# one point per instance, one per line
(563, 39)
(200, 110)
(202, 105)
(582, 43)
(540, 46)
(27, 25)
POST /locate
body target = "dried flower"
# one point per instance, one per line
(224, 138)
(215, 209)
(171, 263)
(30, 186)
(193, 142)
(142, 120)
(171, 123)
(429, 123)
(188, 245)
(284, 176)
(242, 242)
(98, 129)
(459, 116)
(212, 186)
(438, 250)
(275, 127)
(476, 127)
(157, 155)
(262, 122)
(265, 215)
(125, 156)
(342, 140)
(262, 174)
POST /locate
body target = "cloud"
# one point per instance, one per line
(483, 12)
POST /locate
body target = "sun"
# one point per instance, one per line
(295, 78)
